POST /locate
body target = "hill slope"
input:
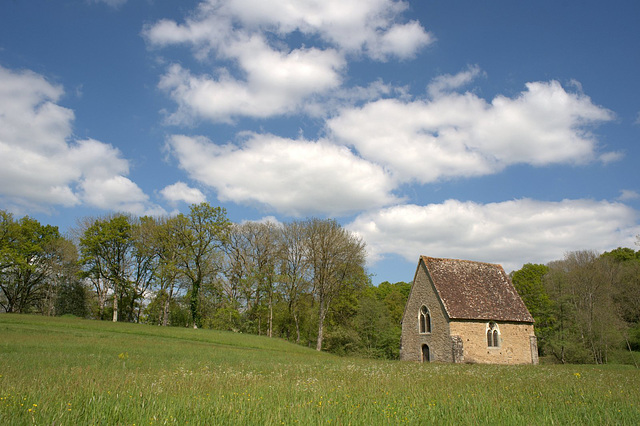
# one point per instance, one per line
(72, 371)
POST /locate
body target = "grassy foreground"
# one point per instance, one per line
(71, 371)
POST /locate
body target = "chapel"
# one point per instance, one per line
(465, 311)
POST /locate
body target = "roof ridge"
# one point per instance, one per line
(462, 260)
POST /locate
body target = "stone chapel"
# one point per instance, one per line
(464, 311)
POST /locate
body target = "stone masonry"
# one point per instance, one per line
(462, 338)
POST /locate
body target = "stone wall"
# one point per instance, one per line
(515, 342)
(439, 340)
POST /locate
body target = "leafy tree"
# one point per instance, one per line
(200, 237)
(64, 272)
(168, 278)
(588, 324)
(529, 283)
(563, 341)
(105, 249)
(72, 298)
(118, 255)
(143, 259)
(626, 294)
(28, 252)
(336, 256)
(395, 298)
(257, 245)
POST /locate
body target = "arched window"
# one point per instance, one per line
(425, 320)
(492, 335)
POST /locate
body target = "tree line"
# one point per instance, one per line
(586, 306)
(304, 281)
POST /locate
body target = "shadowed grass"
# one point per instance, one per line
(71, 371)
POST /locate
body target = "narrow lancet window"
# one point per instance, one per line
(425, 320)
(493, 335)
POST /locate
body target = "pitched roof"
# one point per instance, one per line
(476, 290)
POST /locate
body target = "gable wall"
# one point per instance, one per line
(515, 342)
(439, 339)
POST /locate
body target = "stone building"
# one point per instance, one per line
(464, 311)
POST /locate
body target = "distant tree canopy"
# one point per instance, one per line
(304, 281)
(586, 305)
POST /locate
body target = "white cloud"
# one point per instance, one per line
(457, 135)
(276, 84)
(366, 26)
(511, 233)
(40, 166)
(180, 191)
(628, 194)
(447, 82)
(258, 74)
(611, 157)
(113, 193)
(295, 177)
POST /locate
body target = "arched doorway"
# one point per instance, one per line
(425, 353)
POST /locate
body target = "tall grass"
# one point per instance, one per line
(71, 371)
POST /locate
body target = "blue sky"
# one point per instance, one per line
(497, 131)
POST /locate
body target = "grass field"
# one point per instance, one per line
(72, 371)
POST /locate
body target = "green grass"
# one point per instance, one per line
(71, 371)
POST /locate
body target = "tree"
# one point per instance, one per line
(105, 248)
(564, 339)
(529, 283)
(64, 273)
(72, 298)
(261, 251)
(588, 324)
(28, 252)
(143, 263)
(294, 270)
(336, 256)
(626, 294)
(168, 277)
(200, 236)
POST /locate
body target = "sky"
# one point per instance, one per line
(499, 131)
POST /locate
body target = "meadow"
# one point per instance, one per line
(68, 371)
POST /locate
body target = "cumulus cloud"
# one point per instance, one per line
(511, 233)
(40, 166)
(295, 177)
(258, 74)
(276, 84)
(181, 192)
(457, 135)
(355, 26)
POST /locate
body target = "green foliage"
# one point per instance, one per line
(72, 299)
(622, 254)
(105, 248)
(528, 282)
(200, 237)
(68, 371)
(29, 254)
(582, 304)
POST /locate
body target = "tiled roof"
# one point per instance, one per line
(476, 290)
